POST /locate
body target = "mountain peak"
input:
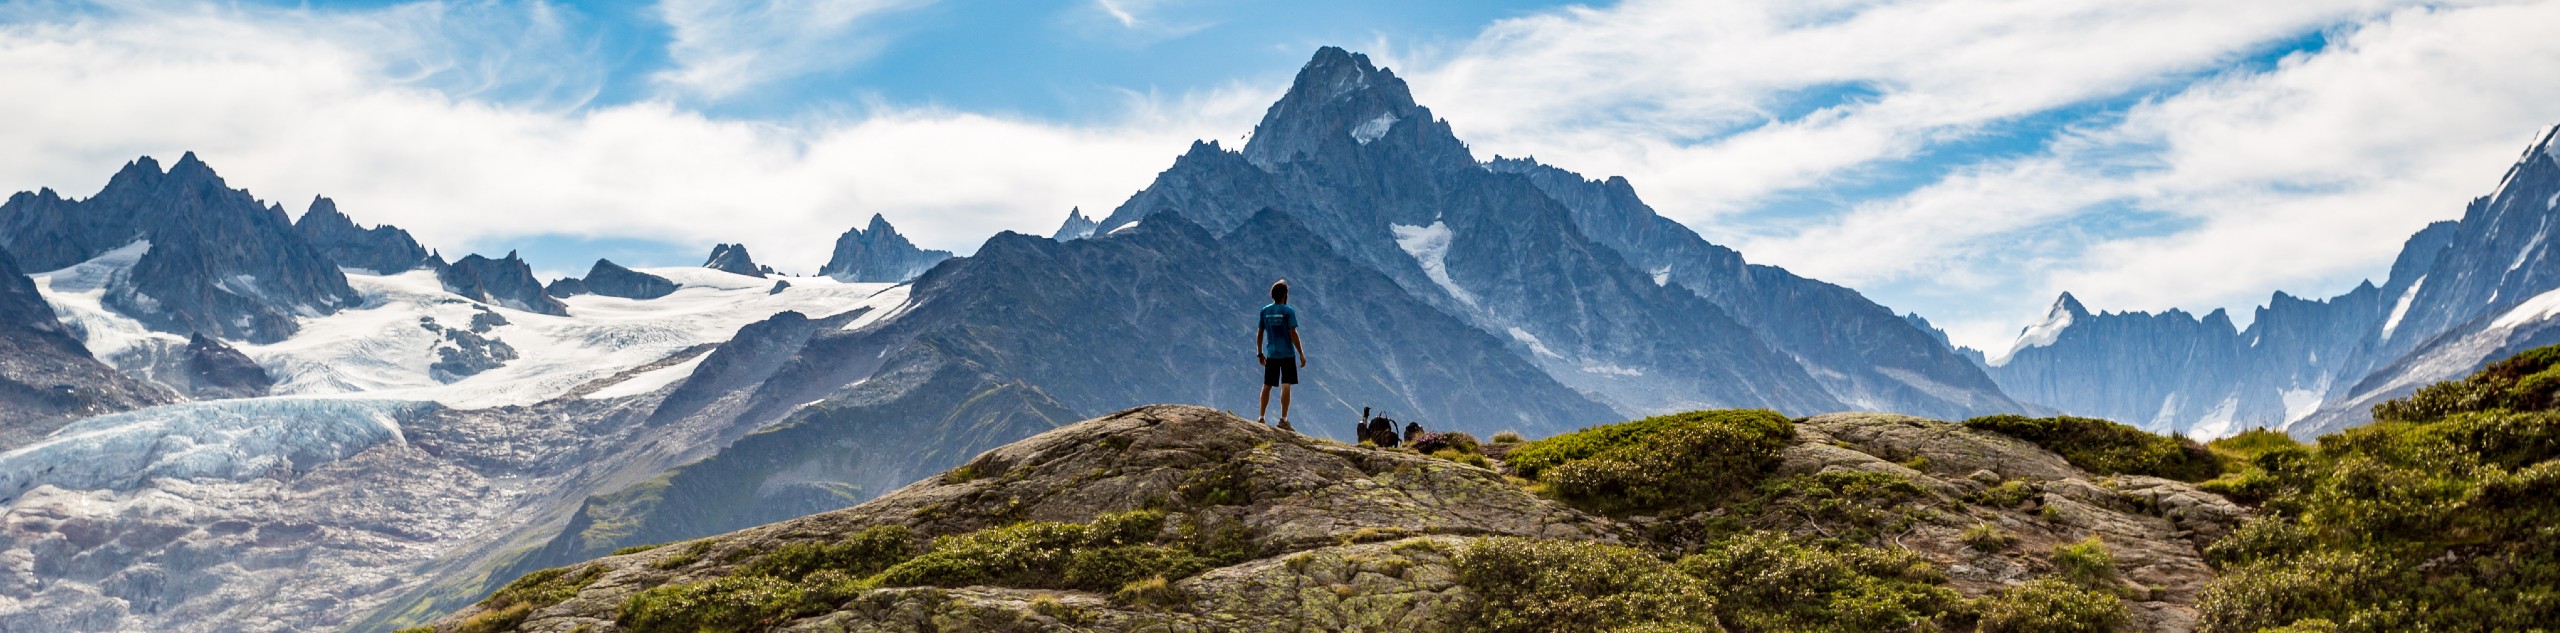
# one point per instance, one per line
(2066, 304)
(732, 258)
(1338, 92)
(878, 255)
(1076, 227)
(190, 167)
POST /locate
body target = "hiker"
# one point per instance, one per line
(1276, 348)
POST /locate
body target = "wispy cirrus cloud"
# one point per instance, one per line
(723, 47)
(1971, 158)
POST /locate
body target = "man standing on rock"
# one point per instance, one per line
(1276, 348)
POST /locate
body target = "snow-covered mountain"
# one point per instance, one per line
(879, 254)
(424, 428)
(2461, 293)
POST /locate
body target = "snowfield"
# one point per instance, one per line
(384, 350)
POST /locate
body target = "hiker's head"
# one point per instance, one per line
(1280, 291)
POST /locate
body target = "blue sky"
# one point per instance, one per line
(1966, 159)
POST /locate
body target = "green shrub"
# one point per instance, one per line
(2108, 448)
(1866, 504)
(1769, 581)
(1507, 437)
(2086, 563)
(2524, 382)
(2052, 606)
(862, 554)
(1108, 554)
(635, 549)
(2439, 516)
(2007, 495)
(732, 603)
(1570, 586)
(1988, 538)
(1152, 591)
(1112, 551)
(1654, 463)
(508, 606)
(1533, 458)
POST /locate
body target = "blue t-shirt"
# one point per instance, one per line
(1277, 322)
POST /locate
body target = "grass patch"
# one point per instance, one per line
(1988, 538)
(635, 549)
(2052, 606)
(1536, 586)
(1660, 462)
(1107, 555)
(2086, 563)
(2438, 516)
(1770, 581)
(2108, 448)
(507, 608)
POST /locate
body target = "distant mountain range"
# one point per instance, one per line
(199, 397)
(2461, 294)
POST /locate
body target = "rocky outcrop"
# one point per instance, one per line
(381, 250)
(879, 254)
(219, 372)
(1326, 536)
(505, 282)
(1077, 226)
(220, 262)
(47, 377)
(612, 280)
(733, 259)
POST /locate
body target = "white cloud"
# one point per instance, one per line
(2299, 177)
(289, 117)
(2304, 178)
(723, 47)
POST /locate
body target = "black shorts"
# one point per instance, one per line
(1279, 371)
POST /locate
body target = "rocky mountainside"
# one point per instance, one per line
(2460, 294)
(879, 254)
(1861, 352)
(381, 250)
(1349, 155)
(612, 280)
(733, 259)
(218, 261)
(957, 371)
(1076, 227)
(47, 378)
(1187, 518)
(505, 282)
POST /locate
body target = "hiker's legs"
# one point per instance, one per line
(1266, 405)
(1284, 401)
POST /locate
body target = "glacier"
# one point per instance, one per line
(228, 440)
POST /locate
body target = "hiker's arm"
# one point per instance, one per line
(1301, 347)
(1257, 345)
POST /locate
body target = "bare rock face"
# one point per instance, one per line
(216, 371)
(219, 261)
(46, 376)
(1339, 537)
(383, 250)
(612, 280)
(733, 259)
(506, 282)
(879, 254)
